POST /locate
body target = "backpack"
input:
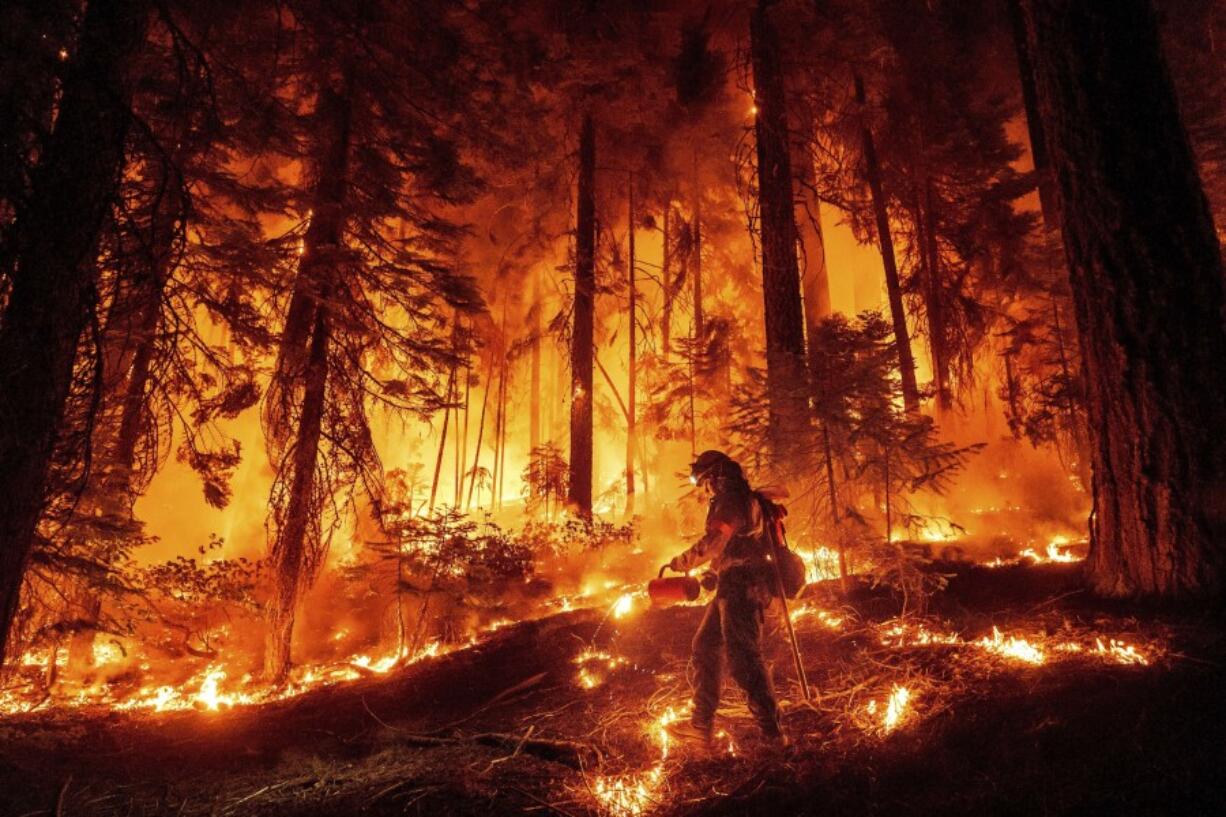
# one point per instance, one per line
(791, 567)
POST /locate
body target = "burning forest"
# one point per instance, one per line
(612, 409)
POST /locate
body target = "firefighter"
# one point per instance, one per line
(736, 545)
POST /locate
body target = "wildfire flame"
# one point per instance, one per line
(593, 665)
(1018, 649)
(896, 709)
(623, 606)
(824, 617)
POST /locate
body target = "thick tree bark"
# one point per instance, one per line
(579, 493)
(49, 304)
(902, 337)
(785, 334)
(1034, 124)
(1146, 274)
(309, 367)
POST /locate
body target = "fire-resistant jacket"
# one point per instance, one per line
(734, 535)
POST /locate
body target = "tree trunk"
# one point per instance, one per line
(926, 222)
(485, 399)
(834, 508)
(442, 439)
(1011, 397)
(785, 336)
(632, 374)
(534, 414)
(504, 402)
(579, 493)
(1146, 274)
(815, 279)
(696, 262)
(461, 448)
(290, 557)
(666, 281)
(49, 302)
(1034, 124)
(902, 337)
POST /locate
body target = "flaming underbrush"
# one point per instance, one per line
(571, 710)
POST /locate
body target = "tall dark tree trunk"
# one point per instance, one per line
(1034, 124)
(785, 334)
(51, 297)
(534, 413)
(632, 373)
(31, 34)
(902, 337)
(442, 440)
(814, 278)
(303, 371)
(579, 493)
(666, 280)
(503, 403)
(1146, 274)
(926, 220)
(473, 477)
(290, 557)
(696, 261)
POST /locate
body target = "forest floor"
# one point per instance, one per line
(930, 716)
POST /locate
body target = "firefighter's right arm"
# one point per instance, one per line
(720, 529)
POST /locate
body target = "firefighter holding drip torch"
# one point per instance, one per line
(737, 546)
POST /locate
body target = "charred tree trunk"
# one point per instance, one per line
(785, 335)
(52, 287)
(1146, 274)
(1034, 124)
(304, 373)
(579, 493)
(632, 373)
(902, 337)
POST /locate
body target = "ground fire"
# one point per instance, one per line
(612, 409)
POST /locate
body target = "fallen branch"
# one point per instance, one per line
(568, 753)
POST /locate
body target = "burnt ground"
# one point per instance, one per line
(503, 727)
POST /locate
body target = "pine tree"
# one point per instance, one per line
(377, 150)
(785, 345)
(71, 191)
